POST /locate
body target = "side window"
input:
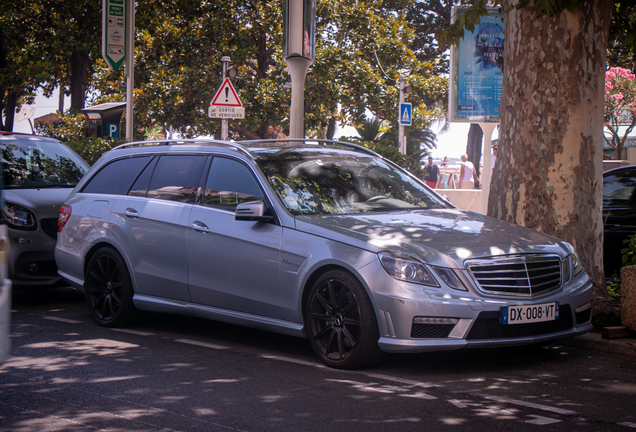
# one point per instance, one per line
(140, 187)
(113, 178)
(230, 183)
(618, 190)
(176, 178)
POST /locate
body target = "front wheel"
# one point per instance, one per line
(108, 289)
(341, 323)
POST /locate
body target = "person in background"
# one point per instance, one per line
(279, 132)
(432, 173)
(271, 133)
(467, 174)
(493, 157)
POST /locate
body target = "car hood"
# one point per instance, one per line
(444, 237)
(44, 202)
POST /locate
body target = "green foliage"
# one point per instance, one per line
(70, 130)
(614, 287)
(629, 253)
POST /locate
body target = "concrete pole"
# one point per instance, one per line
(401, 140)
(225, 60)
(130, 69)
(298, 67)
(486, 173)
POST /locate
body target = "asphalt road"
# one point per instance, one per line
(184, 374)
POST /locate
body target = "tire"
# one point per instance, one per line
(108, 289)
(341, 323)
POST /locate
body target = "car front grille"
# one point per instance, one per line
(517, 275)
(488, 326)
(49, 226)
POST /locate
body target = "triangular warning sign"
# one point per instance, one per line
(405, 116)
(226, 96)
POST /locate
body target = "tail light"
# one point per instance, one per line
(62, 218)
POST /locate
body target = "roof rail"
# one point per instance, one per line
(240, 145)
(197, 141)
(315, 141)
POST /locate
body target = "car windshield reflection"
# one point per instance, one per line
(311, 183)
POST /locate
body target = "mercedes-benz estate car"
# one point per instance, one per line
(38, 175)
(317, 239)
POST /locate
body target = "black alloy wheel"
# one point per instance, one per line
(342, 326)
(108, 289)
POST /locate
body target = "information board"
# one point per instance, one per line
(476, 73)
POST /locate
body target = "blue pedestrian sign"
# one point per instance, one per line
(405, 114)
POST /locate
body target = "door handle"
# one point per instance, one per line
(199, 226)
(131, 213)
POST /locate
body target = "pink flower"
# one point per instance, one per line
(618, 96)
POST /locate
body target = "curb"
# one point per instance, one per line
(595, 341)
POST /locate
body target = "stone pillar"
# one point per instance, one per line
(628, 297)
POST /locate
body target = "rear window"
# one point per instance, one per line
(36, 162)
(114, 177)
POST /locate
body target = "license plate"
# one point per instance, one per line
(529, 313)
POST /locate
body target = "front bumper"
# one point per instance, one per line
(478, 316)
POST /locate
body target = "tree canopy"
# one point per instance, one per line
(361, 49)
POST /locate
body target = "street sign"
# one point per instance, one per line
(226, 103)
(114, 16)
(226, 112)
(405, 114)
(112, 129)
(226, 96)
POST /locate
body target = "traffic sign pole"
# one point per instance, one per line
(226, 103)
(130, 68)
(401, 143)
(225, 60)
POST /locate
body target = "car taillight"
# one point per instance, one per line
(62, 218)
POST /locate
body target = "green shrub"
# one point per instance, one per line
(70, 130)
(629, 253)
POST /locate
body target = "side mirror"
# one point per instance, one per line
(252, 211)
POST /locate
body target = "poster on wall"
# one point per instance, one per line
(476, 73)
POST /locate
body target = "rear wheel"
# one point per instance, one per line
(341, 323)
(108, 289)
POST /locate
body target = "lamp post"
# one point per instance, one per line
(299, 38)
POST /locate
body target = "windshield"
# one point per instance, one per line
(342, 182)
(33, 162)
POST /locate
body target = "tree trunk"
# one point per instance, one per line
(9, 111)
(331, 128)
(79, 71)
(549, 168)
(473, 145)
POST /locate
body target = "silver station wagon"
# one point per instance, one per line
(318, 239)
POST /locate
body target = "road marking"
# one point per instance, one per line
(458, 404)
(399, 380)
(540, 420)
(64, 320)
(203, 344)
(628, 424)
(419, 395)
(135, 332)
(526, 404)
(292, 360)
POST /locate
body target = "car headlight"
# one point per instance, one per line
(450, 278)
(575, 264)
(572, 264)
(18, 216)
(406, 268)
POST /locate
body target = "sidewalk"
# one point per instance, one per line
(595, 341)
